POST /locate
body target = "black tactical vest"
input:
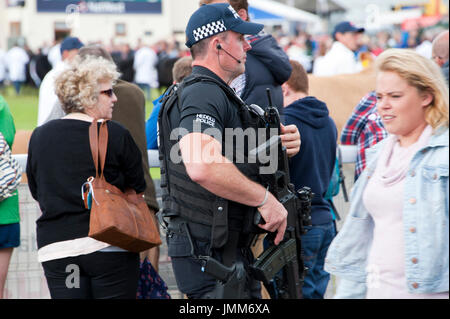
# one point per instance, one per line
(180, 195)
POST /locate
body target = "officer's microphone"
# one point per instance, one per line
(219, 47)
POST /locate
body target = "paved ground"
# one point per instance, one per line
(26, 279)
(165, 267)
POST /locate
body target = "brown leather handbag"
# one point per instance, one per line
(120, 219)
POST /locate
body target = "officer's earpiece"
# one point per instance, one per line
(219, 47)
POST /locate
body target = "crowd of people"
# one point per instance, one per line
(21, 65)
(394, 241)
(310, 49)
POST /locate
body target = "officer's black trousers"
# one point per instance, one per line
(187, 269)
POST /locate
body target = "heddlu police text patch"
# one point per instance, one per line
(206, 119)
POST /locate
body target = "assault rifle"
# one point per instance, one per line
(281, 267)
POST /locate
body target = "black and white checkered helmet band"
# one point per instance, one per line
(208, 30)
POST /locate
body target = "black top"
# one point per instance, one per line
(207, 109)
(60, 161)
(205, 105)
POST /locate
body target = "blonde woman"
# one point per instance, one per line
(59, 162)
(395, 240)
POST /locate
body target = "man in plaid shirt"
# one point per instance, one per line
(364, 128)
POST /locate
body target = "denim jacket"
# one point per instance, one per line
(425, 224)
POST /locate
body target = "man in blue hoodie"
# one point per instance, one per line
(312, 167)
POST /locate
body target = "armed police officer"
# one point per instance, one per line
(210, 199)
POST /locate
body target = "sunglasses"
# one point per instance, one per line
(108, 92)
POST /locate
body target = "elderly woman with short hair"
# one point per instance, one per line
(395, 240)
(59, 162)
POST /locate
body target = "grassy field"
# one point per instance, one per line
(24, 108)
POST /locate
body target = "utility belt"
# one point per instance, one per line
(225, 267)
(202, 233)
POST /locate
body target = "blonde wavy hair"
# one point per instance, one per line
(423, 74)
(78, 86)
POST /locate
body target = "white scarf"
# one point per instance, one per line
(392, 172)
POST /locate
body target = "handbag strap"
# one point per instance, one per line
(99, 144)
(103, 145)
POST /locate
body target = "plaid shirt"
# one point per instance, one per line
(364, 128)
(238, 84)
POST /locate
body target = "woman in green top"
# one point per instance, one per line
(9, 208)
